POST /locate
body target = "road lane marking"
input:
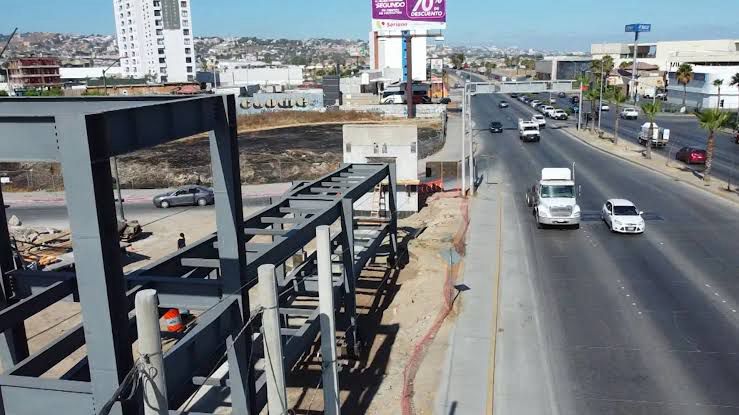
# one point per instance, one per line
(496, 320)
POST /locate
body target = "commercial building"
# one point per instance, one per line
(34, 73)
(155, 39)
(557, 68)
(386, 54)
(701, 93)
(669, 55)
(242, 73)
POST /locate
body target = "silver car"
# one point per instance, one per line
(185, 196)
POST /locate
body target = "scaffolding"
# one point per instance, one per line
(211, 277)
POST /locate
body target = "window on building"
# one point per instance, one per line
(160, 32)
(185, 22)
(164, 79)
(183, 4)
(190, 78)
(162, 60)
(157, 13)
(188, 60)
(129, 21)
(121, 15)
(348, 147)
(184, 13)
(163, 71)
(157, 22)
(187, 41)
(160, 42)
(161, 51)
(186, 32)
(189, 69)
(157, 3)
(188, 51)
(133, 53)
(128, 14)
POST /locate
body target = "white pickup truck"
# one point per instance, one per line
(660, 136)
(554, 199)
(528, 130)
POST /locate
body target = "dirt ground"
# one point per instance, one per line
(273, 155)
(396, 311)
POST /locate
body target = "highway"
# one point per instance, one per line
(684, 131)
(643, 324)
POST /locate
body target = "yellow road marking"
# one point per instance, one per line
(496, 319)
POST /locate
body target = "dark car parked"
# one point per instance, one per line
(691, 155)
(185, 196)
(496, 127)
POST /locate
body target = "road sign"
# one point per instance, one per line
(408, 14)
(638, 28)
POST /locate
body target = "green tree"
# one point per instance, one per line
(735, 82)
(3, 93)
(592, 95)
(457, 60)
(684, 76)
(618, 98)
(718, 83)
(711, 120)
(651, 109)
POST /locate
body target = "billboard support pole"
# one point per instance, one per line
(408, 71)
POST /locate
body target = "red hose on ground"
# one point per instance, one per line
(419, 350)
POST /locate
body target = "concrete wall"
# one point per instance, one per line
(287, 75)
(384, 143)
(401, 111)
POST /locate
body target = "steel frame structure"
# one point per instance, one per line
(212, 276)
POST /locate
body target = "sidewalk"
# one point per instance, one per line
(467, 374)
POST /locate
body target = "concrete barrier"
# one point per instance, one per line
(400, 111)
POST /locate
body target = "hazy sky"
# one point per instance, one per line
(547, 24)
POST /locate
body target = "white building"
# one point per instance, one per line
(669, 55)
(155, 38)
(386, 54)
(700, 91)
(241, 73)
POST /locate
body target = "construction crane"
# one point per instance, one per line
(8, 42)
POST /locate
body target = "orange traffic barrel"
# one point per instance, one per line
(173, 319)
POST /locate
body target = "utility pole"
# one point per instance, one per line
(636, 28)
(472, 146)
(600, 101)
(464, 135)
(408, 71)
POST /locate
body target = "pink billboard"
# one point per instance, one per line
(433, 11)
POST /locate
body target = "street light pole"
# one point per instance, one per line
(600, 101)
(464, 135)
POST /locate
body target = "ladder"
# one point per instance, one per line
(379, 204)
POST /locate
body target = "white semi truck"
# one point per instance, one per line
(554, 198)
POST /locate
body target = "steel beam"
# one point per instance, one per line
(347, 250)
(85, 154)
(28, 139)
(13, 342)
(15, 314)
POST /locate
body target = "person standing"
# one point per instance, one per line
(181, 243)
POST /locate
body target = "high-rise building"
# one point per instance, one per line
(155, 38)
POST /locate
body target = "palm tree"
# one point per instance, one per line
(684, 75)
(735, 82)
(651, 109)
(711, 120)
(618, 98)
(592, 95)
(717, 83)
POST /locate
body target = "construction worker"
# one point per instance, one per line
(181, 242)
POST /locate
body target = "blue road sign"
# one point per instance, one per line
(638, 28)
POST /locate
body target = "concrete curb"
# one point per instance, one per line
(724, 196)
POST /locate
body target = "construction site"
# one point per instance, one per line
(324, 300)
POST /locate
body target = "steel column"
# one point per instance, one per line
(224, 152)
(351, 274)
(85, 157)
(13, 342)
(393, 178)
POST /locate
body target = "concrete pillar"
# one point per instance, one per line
(328, 323)
(273, 363)
(150, 348)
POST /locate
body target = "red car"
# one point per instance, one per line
(691, 155)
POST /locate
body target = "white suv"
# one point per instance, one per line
(539, 119)
(629, 113)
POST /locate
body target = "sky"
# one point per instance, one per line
(565, 25)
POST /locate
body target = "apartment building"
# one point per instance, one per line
(34, 73)
(155, 39)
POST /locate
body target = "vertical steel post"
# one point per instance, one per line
(408, 72)
(224, 153)
(273, 364)
(85, 158)
(328, 324)
(13, 343)
(350, 291)
(119, 202)
(464, 137)
(634, 69)
(393, 205)
(472, 146)
(150, 349)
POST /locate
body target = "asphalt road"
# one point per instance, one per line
(684, 131)
(638, 324)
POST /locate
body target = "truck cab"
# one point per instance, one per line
(528, 130)
(554, 199)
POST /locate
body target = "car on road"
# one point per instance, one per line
(502, 104)
(559, 114)
(575, 99)
(622, 216)
(540, 120)
(185, 196)
(605, 107)
(547, 110)
(629, 113)
(535, 103)
(691, 155)
(514, 95)
(552, 100)
(496, 127)
(562, 95)
(528, 131)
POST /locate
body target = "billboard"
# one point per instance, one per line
(408, 14)
(638, 28)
